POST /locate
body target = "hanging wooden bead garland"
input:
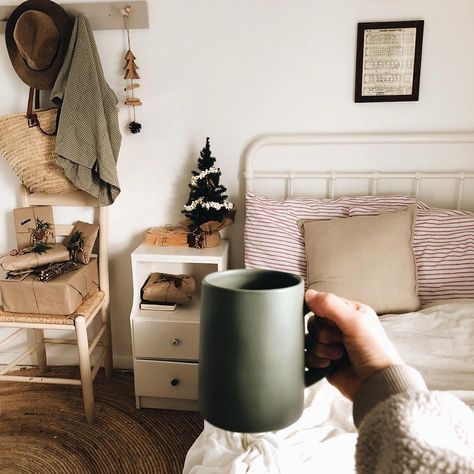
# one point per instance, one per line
(132, 75)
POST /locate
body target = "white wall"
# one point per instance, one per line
(233, 70)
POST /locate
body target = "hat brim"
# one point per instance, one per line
(46, 78)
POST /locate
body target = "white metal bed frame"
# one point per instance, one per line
(251, 173)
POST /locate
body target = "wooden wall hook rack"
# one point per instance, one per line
(101, 15)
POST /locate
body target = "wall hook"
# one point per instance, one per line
(126, 10)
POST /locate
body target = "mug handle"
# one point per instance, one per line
(312, 376)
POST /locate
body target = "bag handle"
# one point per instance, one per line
(32, 118)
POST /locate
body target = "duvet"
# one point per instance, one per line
(438, 341)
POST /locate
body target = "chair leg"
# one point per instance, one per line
(41, 351)
(107, 340)
(85, 366)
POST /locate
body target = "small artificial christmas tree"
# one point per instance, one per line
(207, 199)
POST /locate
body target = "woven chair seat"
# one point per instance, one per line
(87, 309)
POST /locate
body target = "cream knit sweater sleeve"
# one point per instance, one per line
(404, 428)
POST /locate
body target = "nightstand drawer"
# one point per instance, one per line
(166, 339)
(166, 379)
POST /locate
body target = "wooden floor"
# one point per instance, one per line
(43, 430)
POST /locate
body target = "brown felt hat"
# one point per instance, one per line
(37, 36)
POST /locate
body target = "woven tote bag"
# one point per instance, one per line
(31, 153)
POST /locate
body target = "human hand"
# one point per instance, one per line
(338, 325)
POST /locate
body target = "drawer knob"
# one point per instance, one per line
(176, 341)
(174, 382)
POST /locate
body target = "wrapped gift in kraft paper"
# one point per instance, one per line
(26, 225)
(207, 235)
(169, 288)
(22, 261)
(59, 296)
(167, 236)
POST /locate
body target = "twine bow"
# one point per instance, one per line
(175, 280)
(197, 238)
(53, 270)
(170, 230)
(39, 248)
(41, 232)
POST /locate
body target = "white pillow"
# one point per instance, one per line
(438, 341)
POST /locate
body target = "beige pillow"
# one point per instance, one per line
(365, 258)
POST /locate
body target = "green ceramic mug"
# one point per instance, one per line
(251, 357)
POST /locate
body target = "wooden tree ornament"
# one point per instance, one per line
(132, 75)
(130, 66)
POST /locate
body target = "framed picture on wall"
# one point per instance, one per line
(388, 61)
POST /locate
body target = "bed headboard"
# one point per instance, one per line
(437, 168)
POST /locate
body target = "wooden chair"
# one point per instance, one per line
(96, 303)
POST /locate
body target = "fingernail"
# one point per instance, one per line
(311, 293)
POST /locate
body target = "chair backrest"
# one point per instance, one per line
(76, 199)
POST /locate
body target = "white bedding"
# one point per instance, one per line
(438, 341)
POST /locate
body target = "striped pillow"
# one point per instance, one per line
(272, 237)
(443, 244)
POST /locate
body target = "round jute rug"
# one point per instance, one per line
(43, 430)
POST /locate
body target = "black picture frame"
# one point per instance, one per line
(385, 87)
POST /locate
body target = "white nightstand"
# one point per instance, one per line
(166, 343)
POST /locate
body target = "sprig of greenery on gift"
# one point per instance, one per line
(207, 200)
(40, 247)
(76, 241)
(76, 245)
